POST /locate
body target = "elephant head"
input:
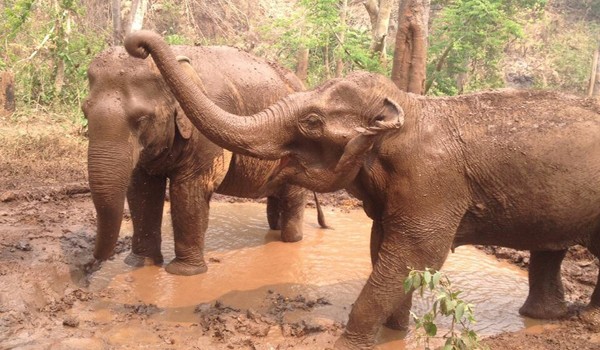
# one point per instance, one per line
(131, 116)
(322, 136)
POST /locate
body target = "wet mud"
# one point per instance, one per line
(259, 293)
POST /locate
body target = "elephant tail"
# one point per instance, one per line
(320, 215)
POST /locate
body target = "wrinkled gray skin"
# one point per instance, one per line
(139, 137)
(519, 169)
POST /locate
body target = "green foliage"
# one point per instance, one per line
(315, 25)
(447, 304)
(467, 41)
(49, 52)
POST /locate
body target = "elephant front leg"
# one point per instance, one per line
(546, 293)
(145, 196)
(189, 212)
(383, 296)
(399, 319)
(291, 203)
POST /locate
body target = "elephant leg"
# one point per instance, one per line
(291, 203)
(383, 293)
(546, 299)
(400, 317)
(273, 213)
(591, 313)
(189, 212)
(146, 196)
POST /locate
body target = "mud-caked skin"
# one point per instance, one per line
(519, 169)
(139, 137)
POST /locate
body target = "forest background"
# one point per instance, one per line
(46, 45)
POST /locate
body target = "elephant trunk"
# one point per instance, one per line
(109, 169)
(261, 135)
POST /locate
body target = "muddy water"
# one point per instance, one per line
(248, 262)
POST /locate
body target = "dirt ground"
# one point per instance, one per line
(47, 228)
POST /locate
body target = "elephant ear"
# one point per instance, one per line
(184, 125)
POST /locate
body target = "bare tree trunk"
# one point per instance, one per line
(380, 29)
(339, 62)
(302, 66)
(117, 24)
(138, 11)
(326, 62)
(594, 88)
(410, 56)
(372, 7)
(7, 93)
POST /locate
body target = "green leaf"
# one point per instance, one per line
(408, 285)
(427, 276)
(417, 281)
(458, 312)
(436, 278)
(430, 329)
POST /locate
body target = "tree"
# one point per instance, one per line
(594, 88)
(379, 13)
(410, 56)
(126, 20)
(467, 42)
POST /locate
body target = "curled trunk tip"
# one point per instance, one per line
(138, 43)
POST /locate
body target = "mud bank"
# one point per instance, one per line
(49, 299)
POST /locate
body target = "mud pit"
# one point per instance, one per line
(259, 293)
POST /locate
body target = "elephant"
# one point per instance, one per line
(512, 168)
(139, 137)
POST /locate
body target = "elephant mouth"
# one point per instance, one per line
(286, 170)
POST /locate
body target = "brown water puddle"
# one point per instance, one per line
(248, 263)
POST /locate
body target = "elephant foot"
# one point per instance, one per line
(290, 236)
(179, 267)
(545, 310)
(137, 260)
(346, 343)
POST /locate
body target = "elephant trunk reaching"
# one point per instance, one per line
(244, 135)
(109, 169)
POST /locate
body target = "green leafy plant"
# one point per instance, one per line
(447, 303)
(467, 39)
(315, 25)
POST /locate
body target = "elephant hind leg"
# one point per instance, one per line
(292, 201)
(591, 314)
(546, 293)
(273, 213)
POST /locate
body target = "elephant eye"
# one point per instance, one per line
(312, 121)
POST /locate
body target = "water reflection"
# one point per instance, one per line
(247, 261)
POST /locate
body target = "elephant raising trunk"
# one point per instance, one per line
(271, 133)
(240, 135)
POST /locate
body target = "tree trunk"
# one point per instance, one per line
(410, 56)
(594, 88)
(138, 11)
(117, 24)
(326, 62)
(7, 93)
(339, 62)
(380, 29)
(302, 66)
(372, 7)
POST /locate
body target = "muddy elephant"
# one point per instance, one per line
(139, 137)
(519, 169)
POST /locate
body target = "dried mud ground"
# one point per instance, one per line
(47, 227)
